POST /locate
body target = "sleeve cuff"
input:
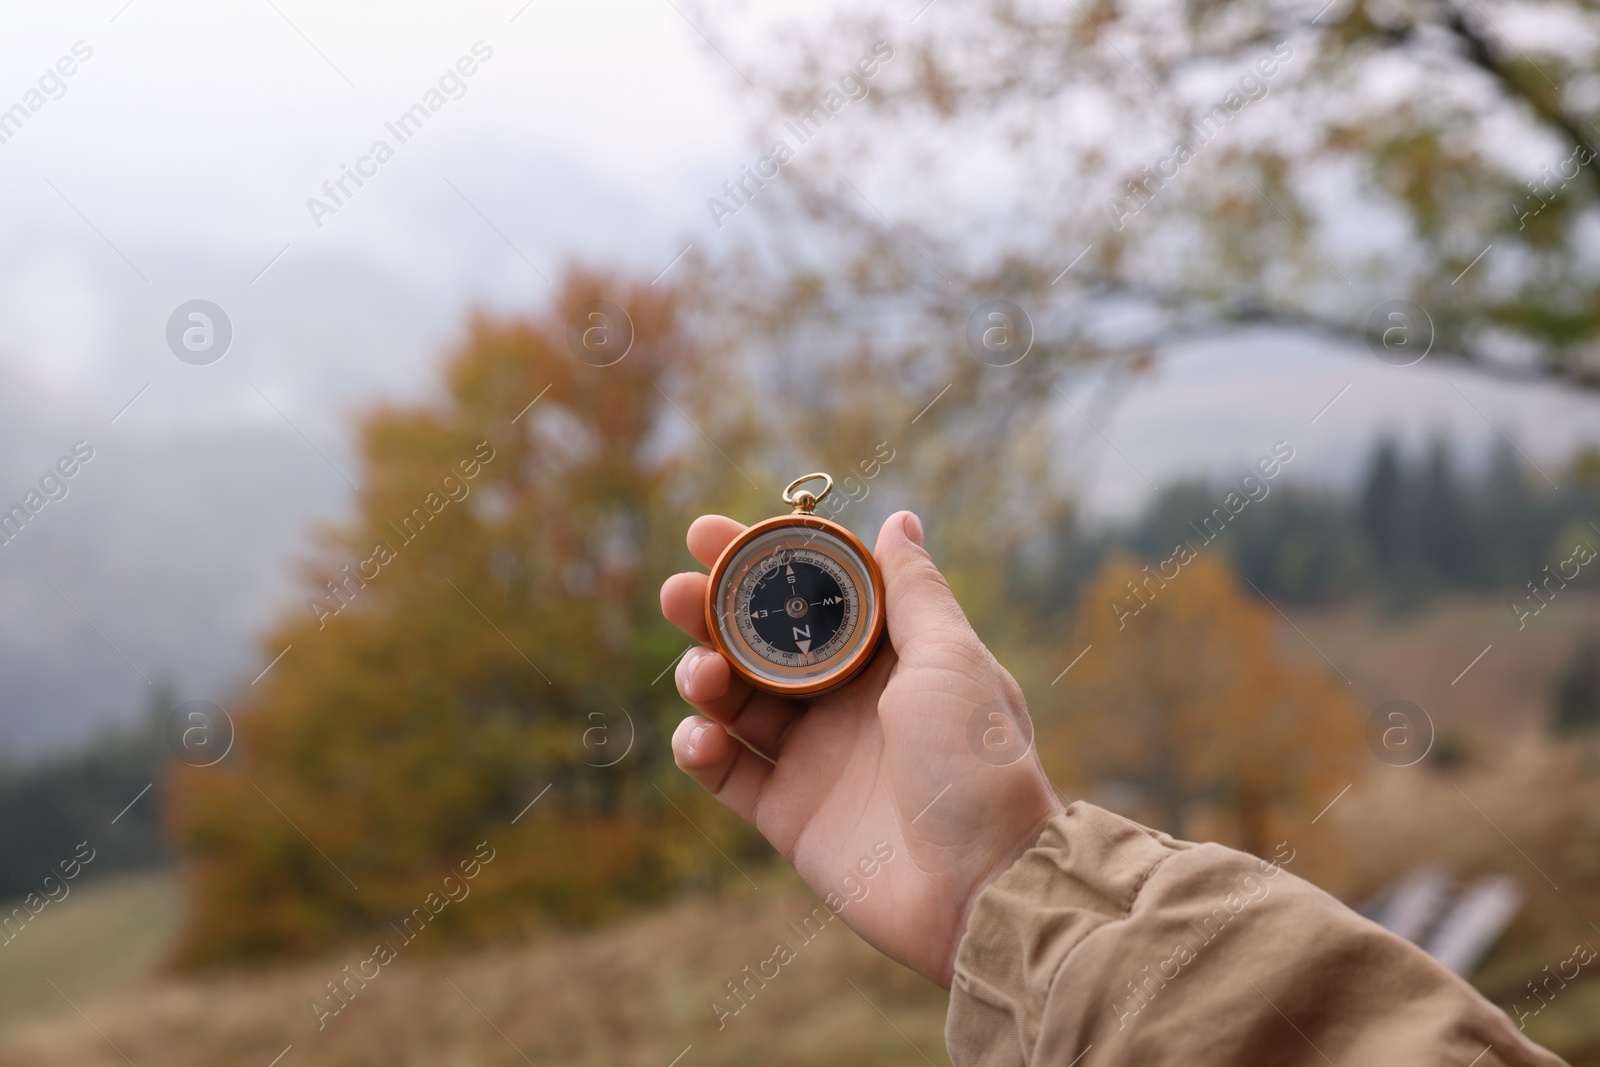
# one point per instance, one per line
(1085, 871)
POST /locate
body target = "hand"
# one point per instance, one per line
(884, 758)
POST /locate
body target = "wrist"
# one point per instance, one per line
(1003, 860)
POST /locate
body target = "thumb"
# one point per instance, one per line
(922, 611)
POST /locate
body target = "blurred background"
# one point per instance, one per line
(1240, 357)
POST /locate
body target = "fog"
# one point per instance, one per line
(176, 163)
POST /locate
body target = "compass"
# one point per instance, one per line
(795, 603)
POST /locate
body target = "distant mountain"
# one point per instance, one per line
(174, 550)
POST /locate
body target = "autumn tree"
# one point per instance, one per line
(1185, 700)
(484, 633)
(1205, 164)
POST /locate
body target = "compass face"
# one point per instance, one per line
(797, 608)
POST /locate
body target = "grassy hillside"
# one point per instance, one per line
(1420, 656)
(101, 939)
(638, 993)
(635, 995)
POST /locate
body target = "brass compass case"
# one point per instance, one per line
(796, 603)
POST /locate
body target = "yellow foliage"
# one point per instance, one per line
(492, 604)
(1185, 705)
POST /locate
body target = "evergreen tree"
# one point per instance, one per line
(1444, 525)
(1577, 692)
(1381, 508)
(108, 792)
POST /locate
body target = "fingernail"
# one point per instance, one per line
(694, 734)
(689, 664)
(913, 528)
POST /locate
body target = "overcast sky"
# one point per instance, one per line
(179, 161)
(175, 163)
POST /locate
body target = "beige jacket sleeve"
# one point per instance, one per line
(1108, 943)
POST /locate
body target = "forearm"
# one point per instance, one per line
(1150, 950)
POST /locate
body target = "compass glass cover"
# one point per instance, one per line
(795, 605)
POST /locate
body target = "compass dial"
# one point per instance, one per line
(797, 606)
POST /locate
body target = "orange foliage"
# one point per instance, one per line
(492, 603)
(1189, 708)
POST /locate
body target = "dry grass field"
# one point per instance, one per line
(102, 939)
(1420, 657)
(639, 993)
(636, 994)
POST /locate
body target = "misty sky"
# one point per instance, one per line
(175, 164)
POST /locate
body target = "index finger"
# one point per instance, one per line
(683, 595)
(709, 535)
